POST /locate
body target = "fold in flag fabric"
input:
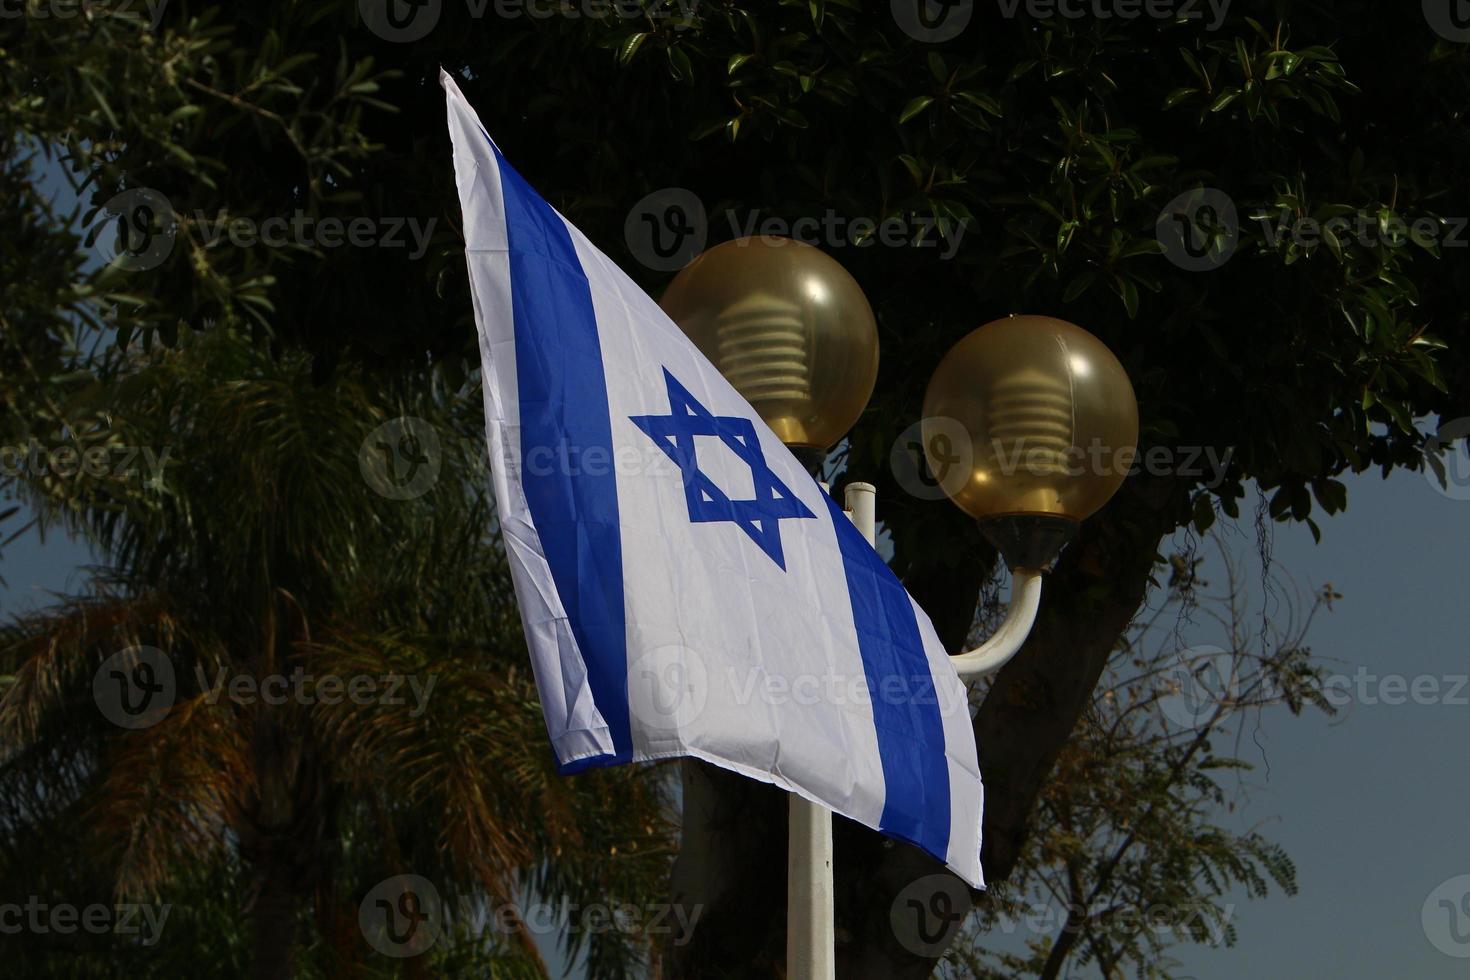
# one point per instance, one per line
(687, 589)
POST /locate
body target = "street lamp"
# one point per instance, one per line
(789, 328)
(1051, 425)
(792, 332)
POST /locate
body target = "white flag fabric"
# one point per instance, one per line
(687, 589)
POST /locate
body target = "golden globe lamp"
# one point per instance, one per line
(789, 328)
(1051, 423)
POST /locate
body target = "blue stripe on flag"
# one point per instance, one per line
(905, 709)
(563, 398)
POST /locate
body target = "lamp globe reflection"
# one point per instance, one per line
(789, 328)
(1050, 424)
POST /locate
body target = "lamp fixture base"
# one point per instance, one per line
(811, 457)
(1028, 541)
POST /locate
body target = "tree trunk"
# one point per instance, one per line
(282, 825)
(731, 869)
(1035, 701)
(273, 919)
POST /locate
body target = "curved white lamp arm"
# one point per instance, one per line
(991, 655)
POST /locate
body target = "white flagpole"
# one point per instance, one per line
(809, 933)
(810, 937)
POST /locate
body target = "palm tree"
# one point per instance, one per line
(304, 532)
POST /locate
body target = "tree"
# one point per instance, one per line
(311, 591)
(1128, 858)
(46, 296)
(1043, 150)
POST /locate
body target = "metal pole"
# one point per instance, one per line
(810, 936)
(995, 652)
(809, 932)
(861, 500)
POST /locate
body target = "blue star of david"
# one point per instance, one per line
(773, 501)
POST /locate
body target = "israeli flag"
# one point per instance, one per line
(687, 589)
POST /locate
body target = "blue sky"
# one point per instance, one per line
(1371, 805)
